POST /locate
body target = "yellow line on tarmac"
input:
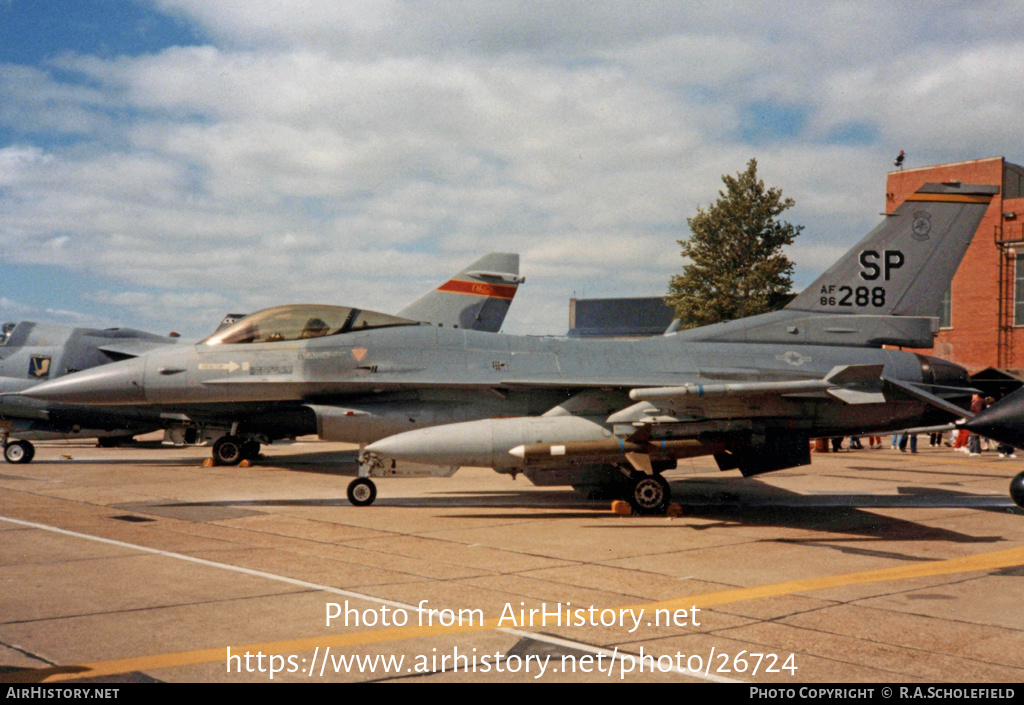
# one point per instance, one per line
(986, 561)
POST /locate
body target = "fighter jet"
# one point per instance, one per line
(477, 297)
(1004, 422)
(31, 352)
(612, 413)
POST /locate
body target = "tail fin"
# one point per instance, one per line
(905, 265)
(888, 289)
(478, 297)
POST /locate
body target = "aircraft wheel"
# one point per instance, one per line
(1017, 489)
(19, 452)
(362, 492)
(227, 450)
(650, 495)
(250, 450)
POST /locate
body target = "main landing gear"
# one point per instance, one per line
(19, 452)
(231, 450)
(649, 494)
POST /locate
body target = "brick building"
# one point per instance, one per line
(981, 325)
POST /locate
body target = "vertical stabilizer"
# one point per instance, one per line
(905, 265)
(888, 289)
(478, 297)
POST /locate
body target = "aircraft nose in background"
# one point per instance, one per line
(1003, 421)
(116, 383)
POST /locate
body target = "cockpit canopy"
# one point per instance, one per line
(5, 331)
(301, 321)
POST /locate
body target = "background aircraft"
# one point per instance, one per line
(477, 297)
(1004, 422)
(32, 352)
(569, 411)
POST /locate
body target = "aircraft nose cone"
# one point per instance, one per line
(1003, 421)
(116, 383)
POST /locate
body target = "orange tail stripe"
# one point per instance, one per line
(497, 291)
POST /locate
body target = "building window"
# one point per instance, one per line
(946, 312)
(1018, 292)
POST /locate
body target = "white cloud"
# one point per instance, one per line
(353, 152)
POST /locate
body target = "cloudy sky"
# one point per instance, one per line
(164, 162)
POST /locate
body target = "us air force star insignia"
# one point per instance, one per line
(793, 358)
(922, 225)
(359, 354)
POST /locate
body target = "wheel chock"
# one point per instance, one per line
(622, 508)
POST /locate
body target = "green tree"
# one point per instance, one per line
(737, 268)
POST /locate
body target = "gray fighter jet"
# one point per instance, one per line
(477, 297)
(31, 352)
(752, 392)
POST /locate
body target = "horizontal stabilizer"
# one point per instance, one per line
(929, 398)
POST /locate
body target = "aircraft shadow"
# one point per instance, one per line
(718, 502)
(726, 502)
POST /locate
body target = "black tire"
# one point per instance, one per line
(227, 450)
(650, 494)
(19, 452)
(250, 450)
(362, 492)
(1017, 489)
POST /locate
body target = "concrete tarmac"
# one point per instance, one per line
(871, 566)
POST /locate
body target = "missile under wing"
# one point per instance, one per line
(752, 393)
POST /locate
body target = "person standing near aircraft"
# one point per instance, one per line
(974, 440)
(903, 442)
